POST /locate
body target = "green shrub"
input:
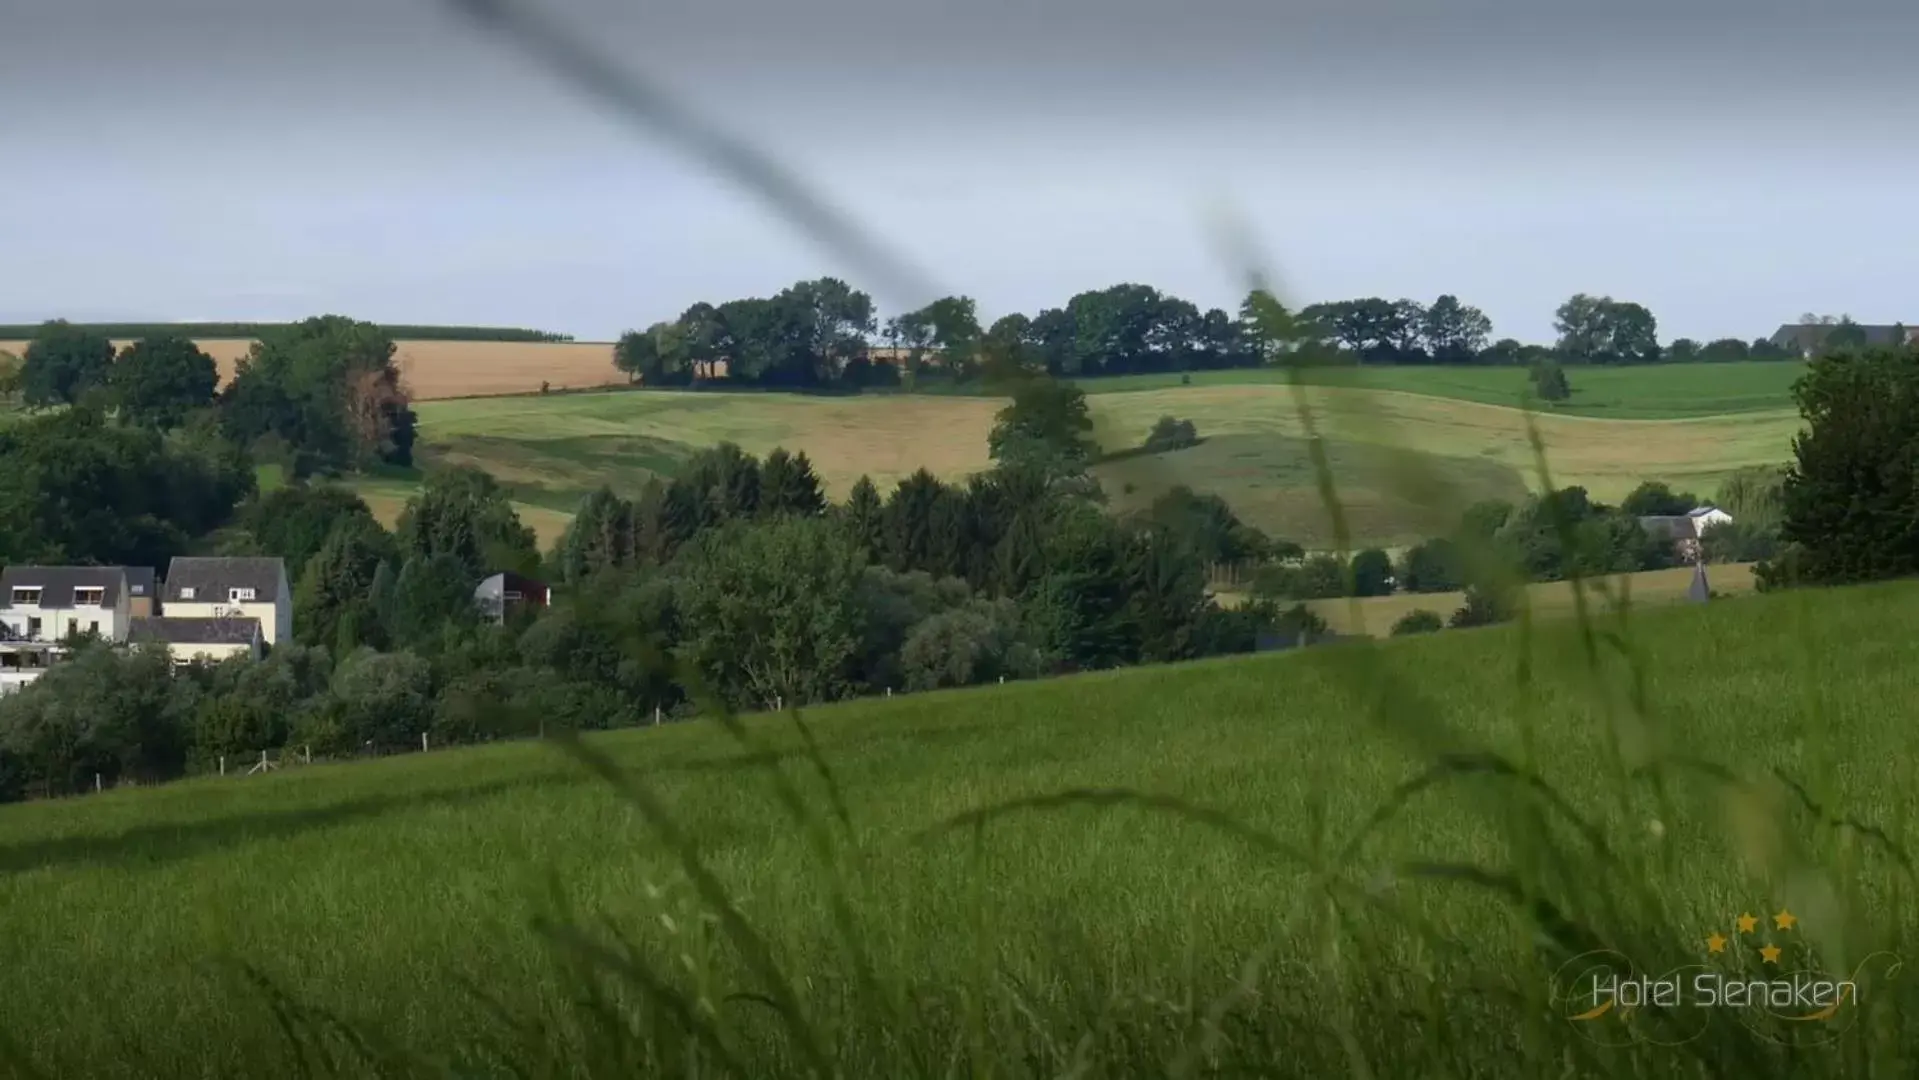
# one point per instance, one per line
(1419, 621)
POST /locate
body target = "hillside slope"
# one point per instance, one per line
(373, 889)
(1406, 462)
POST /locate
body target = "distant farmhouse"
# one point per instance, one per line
(1686, 530)
(1806, 338)
(233, 589)
(211, 609)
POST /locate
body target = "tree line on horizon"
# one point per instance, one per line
(248, 330)
(824, 334)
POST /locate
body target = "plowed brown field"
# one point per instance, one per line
(437, 370)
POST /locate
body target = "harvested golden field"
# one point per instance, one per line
(451, 369)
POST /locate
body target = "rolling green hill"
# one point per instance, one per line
(1639, 392)
(1406, 462)
(398, 895)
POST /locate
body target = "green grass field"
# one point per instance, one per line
(552, 450)
(1659, 392)
(1089, 935)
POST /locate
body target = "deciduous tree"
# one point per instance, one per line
(464, 513)
(159, 380)
(1601, 330)
(1851, 496)
(63, 362)
(1455, 333)
(769, 612)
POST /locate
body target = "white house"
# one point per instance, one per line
(236, 588)
(50, 603)
(1686, 530)
(190, 640)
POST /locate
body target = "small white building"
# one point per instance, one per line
(1686, 530)
(195, 640)
(231, 588)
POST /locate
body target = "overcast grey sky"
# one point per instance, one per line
(1729, 164)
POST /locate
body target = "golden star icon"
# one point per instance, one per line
(1784, 919)
(1716, 943)
(1770, 954)
(1747, 923)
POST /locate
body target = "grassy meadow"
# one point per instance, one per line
(1239, 883)
(554, 449)
(1649, 392)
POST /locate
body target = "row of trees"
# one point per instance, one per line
(824, 334)
(738, 578)
(244, 330)
(323, 395)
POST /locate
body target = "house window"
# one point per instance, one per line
(33, 629)
(235, 596)
(93, 627)
(186, 592)
(514, 596)
(27, 596)
(89, 596)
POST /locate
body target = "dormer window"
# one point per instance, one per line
(236, 596)
(29, 597)
(186, 592)
(89, 596)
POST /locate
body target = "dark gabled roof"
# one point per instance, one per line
(512, 580)
(174, 631)
(1670, 525)
(1809, 335)
(56, 583)
(210, 578)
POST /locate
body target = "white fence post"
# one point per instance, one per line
(656, 716)
(96, 782)
(423, 746)
(889, 691)
(223, 764)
